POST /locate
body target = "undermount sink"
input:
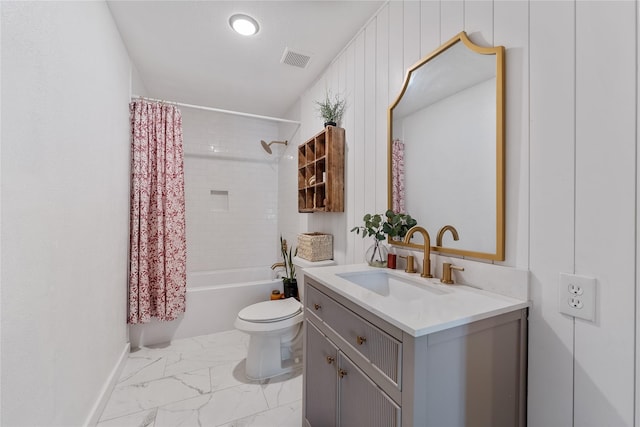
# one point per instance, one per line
(385, 284)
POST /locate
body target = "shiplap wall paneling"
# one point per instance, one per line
(550, 379)
(511, 30)
(637, 260)
(451, 18)
(605, 209)
(396, 48)
(429, 27)
(350, 194)
(411, 33)
(308, 120)
(369, 142)
(478, 22)
(333, 223)
(358, 142)
(543, 198)
(382, 105)
(341, 239)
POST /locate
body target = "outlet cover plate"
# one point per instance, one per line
(577, 296)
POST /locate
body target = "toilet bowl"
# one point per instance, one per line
(275, 337)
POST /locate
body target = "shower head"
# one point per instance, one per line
(267, 147)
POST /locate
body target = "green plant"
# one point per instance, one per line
(397, 224)
(373, 226)
(379, 226)
(289, 268)
(391, 224)
(331, 108)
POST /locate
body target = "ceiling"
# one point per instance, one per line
(185, 51)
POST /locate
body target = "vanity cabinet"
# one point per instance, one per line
(321, 172)
(361, 401)
(333, 381)
(361, 370)
(322, 380)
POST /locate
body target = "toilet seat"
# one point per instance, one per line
(271, 311)
(275, 342)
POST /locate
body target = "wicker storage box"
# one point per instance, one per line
(315, 246)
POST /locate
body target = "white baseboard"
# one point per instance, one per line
(107, 388)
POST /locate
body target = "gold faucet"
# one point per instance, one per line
(277, 264)
(426, 263)
(410, 268)
(443, 230)
(447, 269)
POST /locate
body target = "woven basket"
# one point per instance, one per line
(315, 246)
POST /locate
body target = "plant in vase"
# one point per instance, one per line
(331, 109)
(397, 224)
(376, 255)
(289, 282)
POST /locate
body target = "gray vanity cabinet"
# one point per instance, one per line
(363, 371)
(338, 393)
(321, 378)
(361, 401)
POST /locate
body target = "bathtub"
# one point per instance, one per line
(214, 298)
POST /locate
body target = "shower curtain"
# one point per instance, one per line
(397, 176)
(158, 278)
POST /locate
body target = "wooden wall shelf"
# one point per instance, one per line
(321, 172)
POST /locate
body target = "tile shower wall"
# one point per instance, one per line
(231, 191)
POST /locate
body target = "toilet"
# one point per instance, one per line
(275, 342)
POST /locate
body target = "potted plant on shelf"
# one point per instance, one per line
(289, 281)
(397, 224)
(376, 255)
(331, 109)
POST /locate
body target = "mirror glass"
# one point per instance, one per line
(447, 127)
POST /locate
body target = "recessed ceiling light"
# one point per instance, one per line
(244, 24)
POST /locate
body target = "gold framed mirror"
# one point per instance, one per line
(446, 149)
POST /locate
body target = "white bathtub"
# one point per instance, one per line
(214, 298)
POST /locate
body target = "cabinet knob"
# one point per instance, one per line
(317, 306)
(342, 373)
(330, 360)
(361, 340)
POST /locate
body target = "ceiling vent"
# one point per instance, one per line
(296, 59)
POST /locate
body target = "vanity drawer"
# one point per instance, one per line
(383, 351)
(316, 302)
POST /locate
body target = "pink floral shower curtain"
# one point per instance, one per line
(397, 176)
(158, 279)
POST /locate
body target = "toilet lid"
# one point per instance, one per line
(271, 311)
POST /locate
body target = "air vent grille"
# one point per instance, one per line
(295, 59)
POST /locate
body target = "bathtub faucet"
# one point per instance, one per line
(277, 264)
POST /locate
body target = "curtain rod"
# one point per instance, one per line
(219, 110)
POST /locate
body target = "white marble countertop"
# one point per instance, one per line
(414, 304)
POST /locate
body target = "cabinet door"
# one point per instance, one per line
(360, 402)
(320, 379)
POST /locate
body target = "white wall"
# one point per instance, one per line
(65, 203)
(223, 154)
(571, 120)
(289, 222)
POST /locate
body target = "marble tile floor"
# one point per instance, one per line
(200, 382)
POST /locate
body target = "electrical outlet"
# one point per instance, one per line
(577, 296)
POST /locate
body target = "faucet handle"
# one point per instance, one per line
(447, 268)
(410, 268)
